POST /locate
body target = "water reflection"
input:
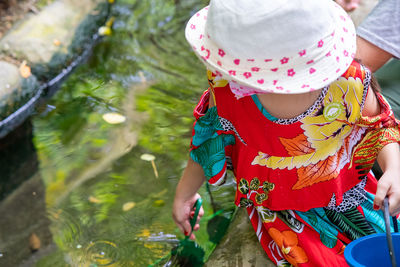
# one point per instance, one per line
(24, 223)
(105, 203)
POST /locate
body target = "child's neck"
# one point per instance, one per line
(287, 106)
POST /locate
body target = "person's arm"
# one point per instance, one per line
(186, 195)
(389, 161)
(371, 56)
(389, 183)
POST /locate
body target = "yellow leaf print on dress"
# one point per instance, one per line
(330, 133)
(215, 81)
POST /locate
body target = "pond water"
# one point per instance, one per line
(76, 189)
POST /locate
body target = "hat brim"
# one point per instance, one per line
(305, 70)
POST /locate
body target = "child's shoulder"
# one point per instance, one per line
(357, 70)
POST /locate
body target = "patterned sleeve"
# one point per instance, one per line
(382, 130)
(209, 146)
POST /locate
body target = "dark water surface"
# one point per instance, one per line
(76, 190)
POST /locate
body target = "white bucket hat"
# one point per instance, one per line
(277, 46)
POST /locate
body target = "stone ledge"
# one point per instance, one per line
(52, 42)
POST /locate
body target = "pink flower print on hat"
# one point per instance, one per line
(236, 61)
(247, 75)
(345, 53)
(221, 52)
(284, 60)
(328, 54)
(302, 52)
(310, 62)
(192, 26)
(207, 56)
(274, 69)
(260, 81)
(267, 60)
(312, 70)
(232, 72)
(291, 72)
(320, 43)
(255, 69)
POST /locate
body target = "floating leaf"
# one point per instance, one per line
(159, 203)
(92, 199)
(110, 22)
(25, 70)
(147, 157)
(128, 205)
(56, 42)
(104, 30)
(34, 242)
(114, 118)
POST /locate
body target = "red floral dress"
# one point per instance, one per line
(305, 181)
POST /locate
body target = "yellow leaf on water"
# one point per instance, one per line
(25, 70)
(159, 203)
(144, 233)
(56, 42)
(92, 199)
(110, 22)
(114, 118)
(128, 205)
(104, 30)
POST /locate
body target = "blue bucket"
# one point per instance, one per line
(372, 250)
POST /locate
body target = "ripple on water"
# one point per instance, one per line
(102, 253)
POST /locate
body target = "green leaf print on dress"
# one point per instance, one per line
(289, 218)
(266, 214)
(320, 222)
(375, 218)
(351, 222)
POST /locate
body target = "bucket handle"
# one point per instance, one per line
(388, 230)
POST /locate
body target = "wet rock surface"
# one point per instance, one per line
(240, 246)
(40, 36)
(48, 42)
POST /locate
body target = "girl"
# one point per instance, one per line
(299, 121)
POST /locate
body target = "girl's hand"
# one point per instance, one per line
(389, 185)
(182, 212)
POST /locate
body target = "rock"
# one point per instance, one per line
(33, 39)
(15, 91)
(240, 246)
(9, 79)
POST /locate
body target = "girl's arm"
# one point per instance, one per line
(389, 183)
(389, 161)
(186, 195)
